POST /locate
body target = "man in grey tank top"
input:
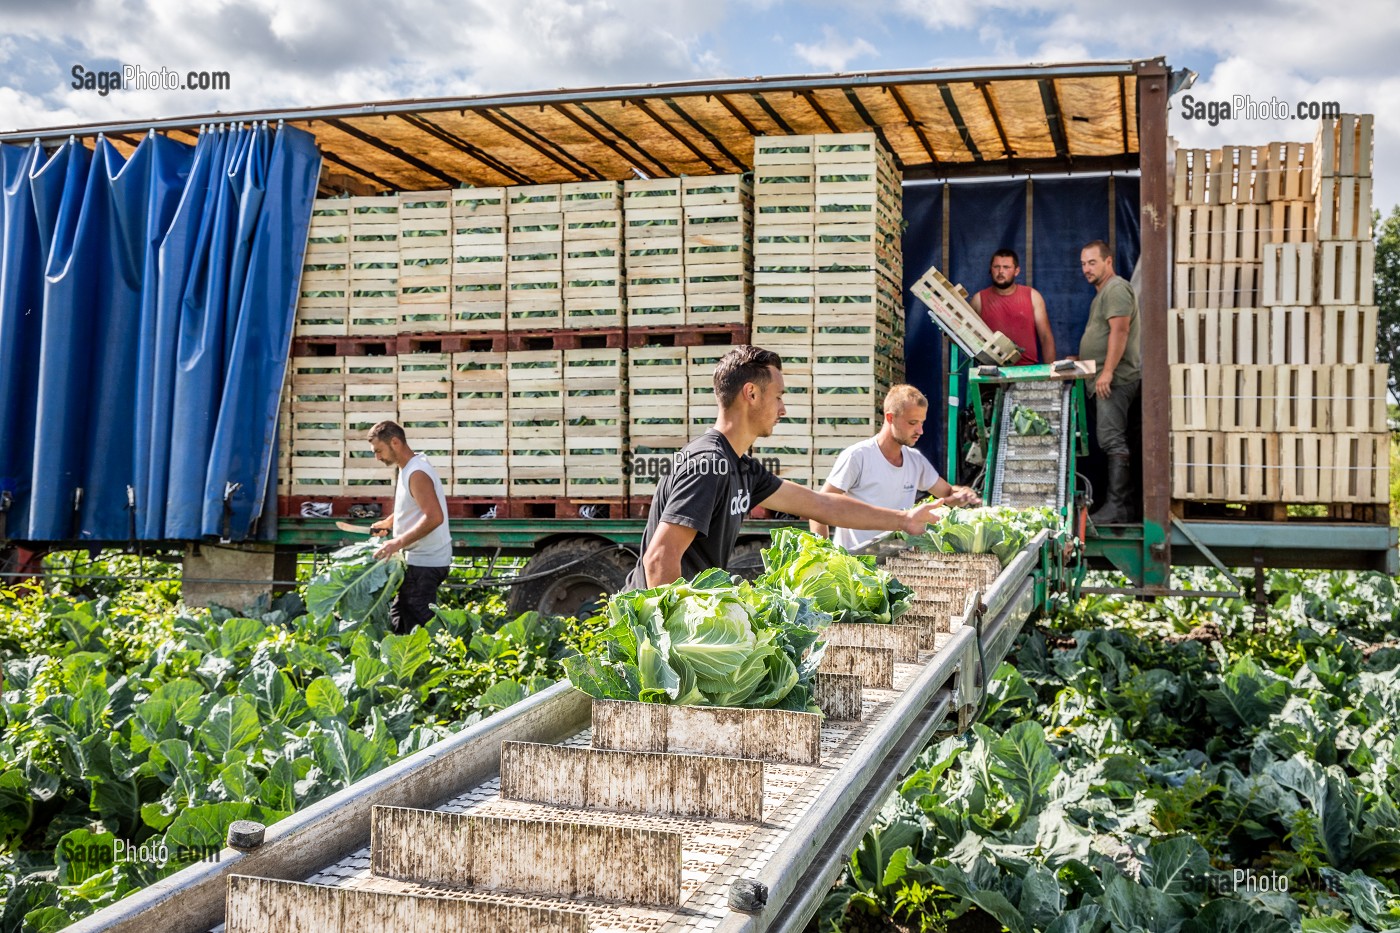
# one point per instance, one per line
(418, 526)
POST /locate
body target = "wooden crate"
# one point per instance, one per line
(645, 193)
(586, 196)
(1342, 147)
(1295, 336)
(1348, 333)
(1305, 467)
(1247, 401)
(322, 313)
(1240, 285)
(1361, 468)
(1242, 239)
(1244, 336)
(1289, 222)
(472, 315)
(1251, 467)
(662, 310)
(949, 303)
(1288, 274)
(1195, 395)
(1358, 398)
(1343, 209)
(1346, 273)
(1198, 465)
(1195, 181)
(476, 203)
(533, 199)
(1287, 171)
(1303, 399)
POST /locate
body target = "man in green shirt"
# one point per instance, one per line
(1111, 341)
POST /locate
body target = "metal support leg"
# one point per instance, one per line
(1261, 596)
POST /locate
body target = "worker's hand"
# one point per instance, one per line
(1103, 386)
(917, 519)
(382, 527)
(388, 549)
(963, 496)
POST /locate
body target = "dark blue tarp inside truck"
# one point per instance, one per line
(985, 216)
(146, 310)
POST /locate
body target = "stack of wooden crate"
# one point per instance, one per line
(1283, 402)
(374, 266)
(535, 432)
(534, 258)
(717, 235)
(594, 423)
(654, 242)
(478, 260)
(827, 289)
(426, 232)
(425, 408)
(687, 256)
(323, 301)
(658, 413)
(480, 437)
(593, 278)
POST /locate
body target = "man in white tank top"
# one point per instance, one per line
(418, 526)
(887, 470)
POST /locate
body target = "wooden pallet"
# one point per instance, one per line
(1343, 209)
(1288, 275)
(1348, 333)
(1295, 336)
(1359, 398)
(1289, 222)
(1343, 147)
(1302, 512)
(1346, 273)
(1247, 398)
(1196, 180)
(1303, 399)
(1197, 459)
(1195, 397)
(1287, 171)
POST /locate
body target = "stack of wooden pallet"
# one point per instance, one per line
(1277, 397)
(827, 289)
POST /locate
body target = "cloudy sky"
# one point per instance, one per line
(319, 52)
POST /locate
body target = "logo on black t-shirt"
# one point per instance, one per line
(739, 504)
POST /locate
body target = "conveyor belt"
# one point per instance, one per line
(811, 814)
(1029, 470)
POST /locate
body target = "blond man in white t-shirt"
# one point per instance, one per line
(418, 527)
(887, 470)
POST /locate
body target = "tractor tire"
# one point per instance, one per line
(570, 576)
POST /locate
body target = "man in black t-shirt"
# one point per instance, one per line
(699, 506)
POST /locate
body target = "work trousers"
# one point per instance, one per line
(1111, 417)
(410, 607)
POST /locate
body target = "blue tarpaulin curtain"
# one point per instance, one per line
(146, 309)
(986, 216)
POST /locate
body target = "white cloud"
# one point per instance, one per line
(326, 52)
(834, 52)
